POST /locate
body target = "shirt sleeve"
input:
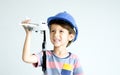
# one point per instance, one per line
(39, 59)
(77, 68)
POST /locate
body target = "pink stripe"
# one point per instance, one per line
(73, 56)
(52, 65)
(77, 65)
(80, 74)
(48, 53)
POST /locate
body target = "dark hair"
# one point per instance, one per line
(65, 25)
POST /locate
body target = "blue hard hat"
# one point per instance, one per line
(66, 17)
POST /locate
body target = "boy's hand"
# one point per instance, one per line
(24, 24)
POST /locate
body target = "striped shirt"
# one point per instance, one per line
(69, 65)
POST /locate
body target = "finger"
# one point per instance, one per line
(26, 21)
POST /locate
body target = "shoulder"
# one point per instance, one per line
(49, 52)
(74, 56)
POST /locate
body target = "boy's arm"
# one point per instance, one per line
(77, 68)
(26, 55)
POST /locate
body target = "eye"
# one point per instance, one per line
(52, 31)
(61, 31)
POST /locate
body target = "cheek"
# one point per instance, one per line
(51, 39)
(65, 36)
(50, 36)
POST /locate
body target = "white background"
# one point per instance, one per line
(98, 44)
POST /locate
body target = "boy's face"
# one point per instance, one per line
(59, 36)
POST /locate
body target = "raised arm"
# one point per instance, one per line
(26, 55)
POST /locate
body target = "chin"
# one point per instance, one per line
(56, 45)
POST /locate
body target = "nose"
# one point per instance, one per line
(56, 34)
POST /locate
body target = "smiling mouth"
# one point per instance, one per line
(56, 40)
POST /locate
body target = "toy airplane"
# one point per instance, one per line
(35, 27)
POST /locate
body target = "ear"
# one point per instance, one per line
(71, 37)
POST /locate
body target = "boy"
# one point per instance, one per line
(63, 31)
